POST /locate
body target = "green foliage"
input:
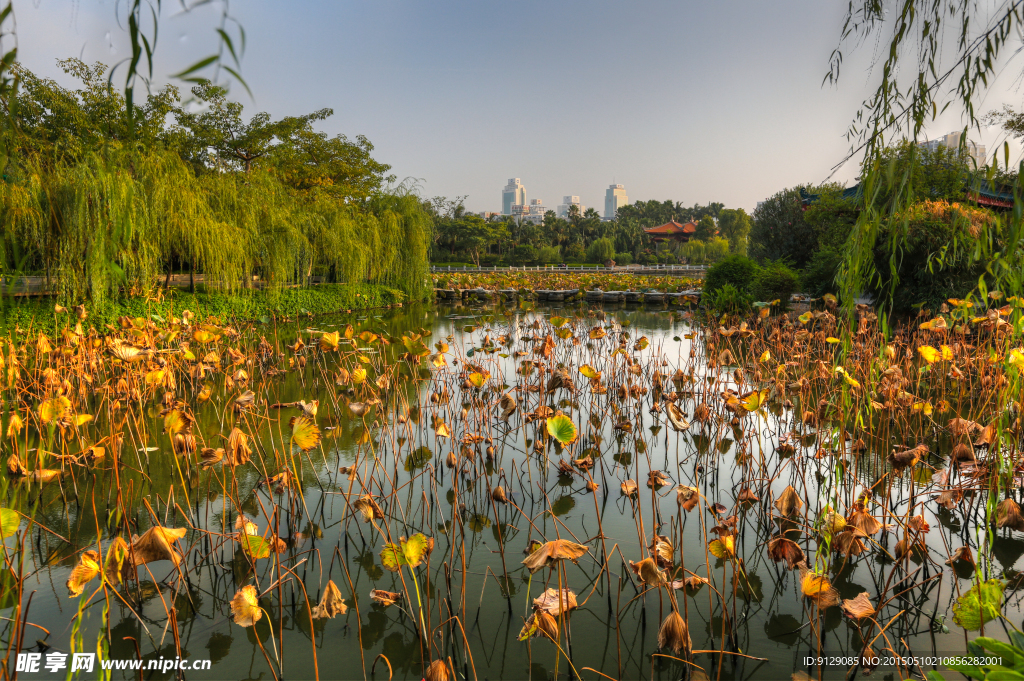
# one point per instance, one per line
(735, 225)
(623, 258)
(706, 229)
(737, 270)
(780, 231)
(704, 253)
(103, 218)
(727, 299)
(523, 254)
(775, 281)
(38, 314)
(936, 244)
(983, 603)
(548, 255)
(820, 275)
(601, 250)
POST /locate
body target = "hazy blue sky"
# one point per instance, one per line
(690, 101)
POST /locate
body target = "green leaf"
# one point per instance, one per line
(981, 604)
(9, 522)
(255, 546)
(558, 322)
(562, 429)
(414, 549)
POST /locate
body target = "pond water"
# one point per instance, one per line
(474, 572)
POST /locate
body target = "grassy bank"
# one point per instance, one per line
(38, 313)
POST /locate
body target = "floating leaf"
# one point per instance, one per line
(245, 606)
(983, 603)
(305, 434)
(331, 603)
(562, 429)
(87, 568)
(9, 522)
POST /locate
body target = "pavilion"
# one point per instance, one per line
(672, 231)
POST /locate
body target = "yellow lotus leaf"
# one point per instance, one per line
(597, 332)
(1016, 357)
(367, 337)
(410, 552)
(755, 400)
(156, 544)
(205, 393)
(348, 332)
(175, 422)
(929, 354)
(833, 340)
(188, 356)
(330, 341)
(245, 606)
(305, 434)
(724, 547)
(83, 573)
(590, 372)
(204, 336)
(114, 566)
(443, 430)
(155, 378)
(358, 375)
(82, 419)
(818, 589)
(54, 408)
(331, 603)
(947, 352)
(477, 379)
(765, 356)
(559, 549)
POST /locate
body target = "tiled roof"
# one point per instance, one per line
(672, 227)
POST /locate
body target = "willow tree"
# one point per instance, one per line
(939, 54)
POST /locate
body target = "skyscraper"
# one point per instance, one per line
(614, 199)
(514, 194)
(952, 141)
(563, 208)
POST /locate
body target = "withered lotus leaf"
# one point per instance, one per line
(368, 508)
(629, 488)
(676, 418)
(385, 598)
(908, 457)
(864, 521)
(858, 608)
(817, 588)
(238, 451)
(437, 671)
(156, 544)
(87, 568)
(782, 549)
(559, 549)
(331, 603)
(849, 543)
(540, 623)
(662, 550)
(648, 571)
(788, 502)
(687, 497)
(554, 603)
(962, 554)
(674, 635)
(209, 457)
(245, 606)
(1008, 515)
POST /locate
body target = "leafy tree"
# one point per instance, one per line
(780, 232)
(735, 225)
(601, 250)
(706, 229)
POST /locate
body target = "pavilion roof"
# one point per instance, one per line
(672, 227)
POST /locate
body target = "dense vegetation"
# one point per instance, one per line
(104, 204)
(584, 237)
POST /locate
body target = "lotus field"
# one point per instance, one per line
(561, 492)
(555, 280)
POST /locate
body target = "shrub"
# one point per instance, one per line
(624, 258)
(936, 262)
(549, 255)
(738, 270)
(575, 252)
(727, 299)
(601, 250)
(775, 281)
(819, 277)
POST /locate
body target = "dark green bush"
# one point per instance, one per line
(738, 270)
(819, 277)
(624, 258)
(775, 281)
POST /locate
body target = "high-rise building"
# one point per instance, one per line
(514, 194)
(537, 210)
(614, 199)
(563, 208)
(952, 141)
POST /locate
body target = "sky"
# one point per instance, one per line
(691, 101)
